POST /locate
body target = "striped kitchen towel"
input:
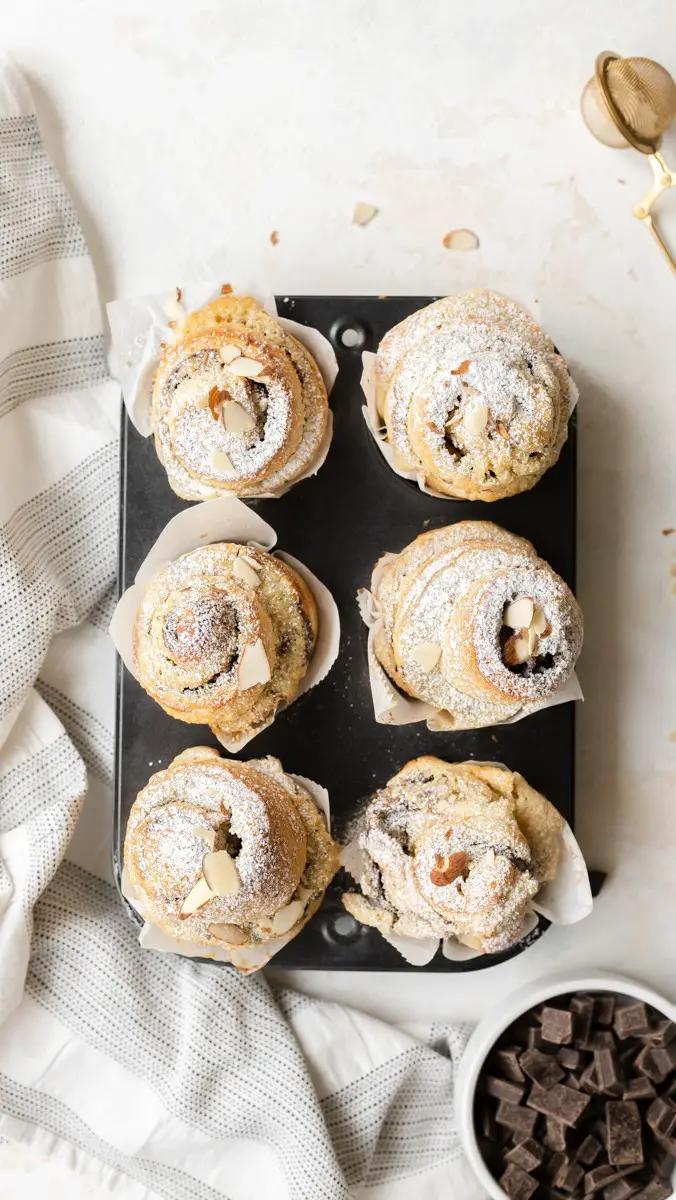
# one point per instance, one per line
(155, 1076)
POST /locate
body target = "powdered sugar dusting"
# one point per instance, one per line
(413, 825)
(476, 398)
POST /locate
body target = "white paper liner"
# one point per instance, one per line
(226, 519)
(392, 707)
(139, 325)
(246, 960)
(565, 900)
(376, 426)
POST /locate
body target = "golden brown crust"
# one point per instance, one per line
(263, 821)
(223, 636)
(239, 406)
(455, 850)
(474, 397)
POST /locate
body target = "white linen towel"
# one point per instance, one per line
(155, 1076)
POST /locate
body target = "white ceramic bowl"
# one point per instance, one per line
(493, 1026)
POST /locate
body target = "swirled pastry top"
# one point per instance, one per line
(227, 853)
(476, 624)
(455, 850)
(474, 396)
(239, 406)
(223, 636)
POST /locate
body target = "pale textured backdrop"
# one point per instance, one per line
(187, 134)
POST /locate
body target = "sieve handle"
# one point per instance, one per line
(664, 179)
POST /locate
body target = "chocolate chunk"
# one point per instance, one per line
(631, 1020)
(663, 1163)
(557, 1025)
(568, 1176)
(664, 1059)
(645, 1063)
(604, 1010)
(558, 1101)
(507, 1060)
(625, 1143)
(603, 1176)
(569, 1058)
(502, 1089)
(589, 1081)
(582, 1008)
(516, 1118)
(661, 1116)
(555, 1163)
(600, 1039)
(534, 1038)
(517, 1184)
(622, 1189)
(661, 1034)
(655, 1190)
(588, 1150)
(605, 1067)
(638, 1089)
(599, 1177)
(573, 1081)
(555, 1134)
(542, 1068)
(528, 1155)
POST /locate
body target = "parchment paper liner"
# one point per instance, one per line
(246, 960)
(376, 425)
(139, 324)
(392, 707)
(226, 519)
(565, 900)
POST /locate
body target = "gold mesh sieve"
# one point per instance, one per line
(630, 102)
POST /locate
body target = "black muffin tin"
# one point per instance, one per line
(339, 523)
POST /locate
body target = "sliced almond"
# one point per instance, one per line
(476, 419)
(532, 641)
(519, 614)
(254, 666)
(246, 574)
(363, 213)
(247, 367)
(207, 835)
(197, 897)
(538, 621)
(426, 655)
(263, 379)
(174, 310)
(286, 918)
(448, 868)
(515, 650)
(502, 430)
(220, 873)
(253, 562)
(220, 462)
(204, 401)
(231, 934)
(461, 239)
(236, 419)
(463, 368)
(228, 354)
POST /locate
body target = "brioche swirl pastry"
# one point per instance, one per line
(474, 623)
(474, 397)
(225, 853)
(223, 636)
(455, 850)
(239, 406)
